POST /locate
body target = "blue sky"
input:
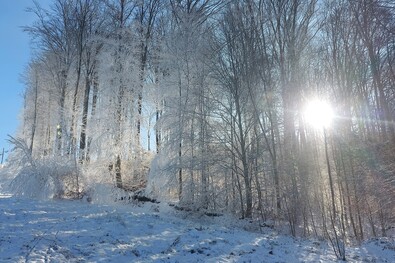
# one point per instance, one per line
(14, 56)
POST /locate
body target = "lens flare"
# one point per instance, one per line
(318, 114)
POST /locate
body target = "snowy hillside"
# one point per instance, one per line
(75, 231)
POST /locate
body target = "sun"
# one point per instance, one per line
(318, 113)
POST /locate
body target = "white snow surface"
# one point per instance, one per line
(77, 231)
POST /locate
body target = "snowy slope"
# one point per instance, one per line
(74, 231)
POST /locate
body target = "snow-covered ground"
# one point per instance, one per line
(77, 231)
(74, 231)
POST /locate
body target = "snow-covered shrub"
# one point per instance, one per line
(97, 172)
(5, 179)
(51, 177)
(101, 193)
(20, 155)
(100, 186)
(160, 179)
(135, 171)
(47, 178)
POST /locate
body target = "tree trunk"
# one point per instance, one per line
(243, 149)
(83, 142)
(118, 177)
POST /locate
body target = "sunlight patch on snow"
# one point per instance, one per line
(96, 215)
(72, 232)
(124, 246)
(17, 225)
(37, 212)
(258, 241)
(9, 214)
(166, 233)
(44, 220)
